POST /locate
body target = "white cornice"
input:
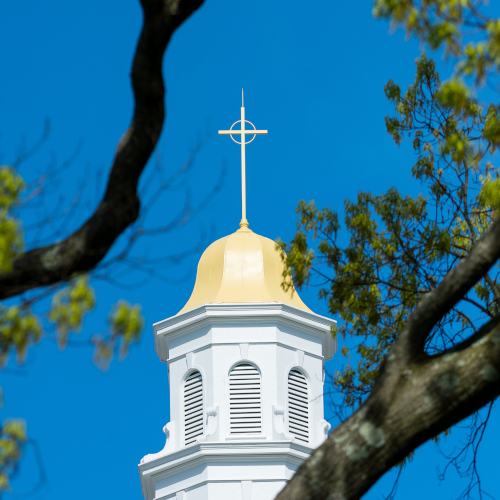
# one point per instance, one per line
(225, 449)
(247, 314)
(213, 453)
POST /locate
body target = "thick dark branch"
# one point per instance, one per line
(406, 408)
(449, 292)
(85, 248)
(415, 396)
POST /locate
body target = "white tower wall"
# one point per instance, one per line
(212, 339)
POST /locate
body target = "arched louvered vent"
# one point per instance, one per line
(193, 407)
(298, 406)
(244, 400)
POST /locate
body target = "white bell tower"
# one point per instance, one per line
(246, 373)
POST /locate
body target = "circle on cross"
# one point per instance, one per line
(239, 133)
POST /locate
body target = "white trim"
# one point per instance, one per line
(212, 344)
(247, 315)
(285, 452)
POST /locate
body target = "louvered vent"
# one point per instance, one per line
(193, 408)
(244, 404)
(298, 406)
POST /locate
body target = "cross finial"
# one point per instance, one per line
(243, 133)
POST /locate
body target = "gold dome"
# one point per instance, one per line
(241, 268)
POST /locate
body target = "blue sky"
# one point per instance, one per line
(313, 76)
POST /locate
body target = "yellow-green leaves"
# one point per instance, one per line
(11, 236)
(295, 256)
(410, 105)
(489, 195)
(454, 94)
(437, 242)
(69, 306)
(397, 248)
(442, 33)
(11, 242)
(125, 326)
(493, 44)
(127, 323)
(448, 23)
(12, 437)
(457, 146)
(435, 21)
(371, 284)
(11, 185)
(19, 328)
(492, 127)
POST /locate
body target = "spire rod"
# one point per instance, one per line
(243, 132)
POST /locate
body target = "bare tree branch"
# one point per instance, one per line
(85, 248)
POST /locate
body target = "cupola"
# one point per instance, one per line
(241, 268)
(245, 374)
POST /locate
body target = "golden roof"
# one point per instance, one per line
(241, 268)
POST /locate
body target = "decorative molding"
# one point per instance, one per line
(248, 314)
(211, 344)
(279, 429)
(248, 310)
(241, 451)
(300, 358)
(325, 427)
(212, 427)
(246, 490)
(244, 456)
(244, 351)
(190, 360)
(167, 429)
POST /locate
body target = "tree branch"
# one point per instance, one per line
(450, 291)
(85, 248)
(417, 402)
(415, 396)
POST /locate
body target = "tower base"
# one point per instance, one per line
(223, 471)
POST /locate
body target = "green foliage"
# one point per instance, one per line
(19, 328)
(455, 95)
(11, 185)
(492, 128)
(400, 247)
(447, 24)
(69, 306)
(11, 236)
(489, 196)
(12, 437)
(126, 323)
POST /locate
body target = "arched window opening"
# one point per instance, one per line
(193, 407)
(244, 400)
(298, 406)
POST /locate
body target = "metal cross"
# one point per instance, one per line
(243, 133)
